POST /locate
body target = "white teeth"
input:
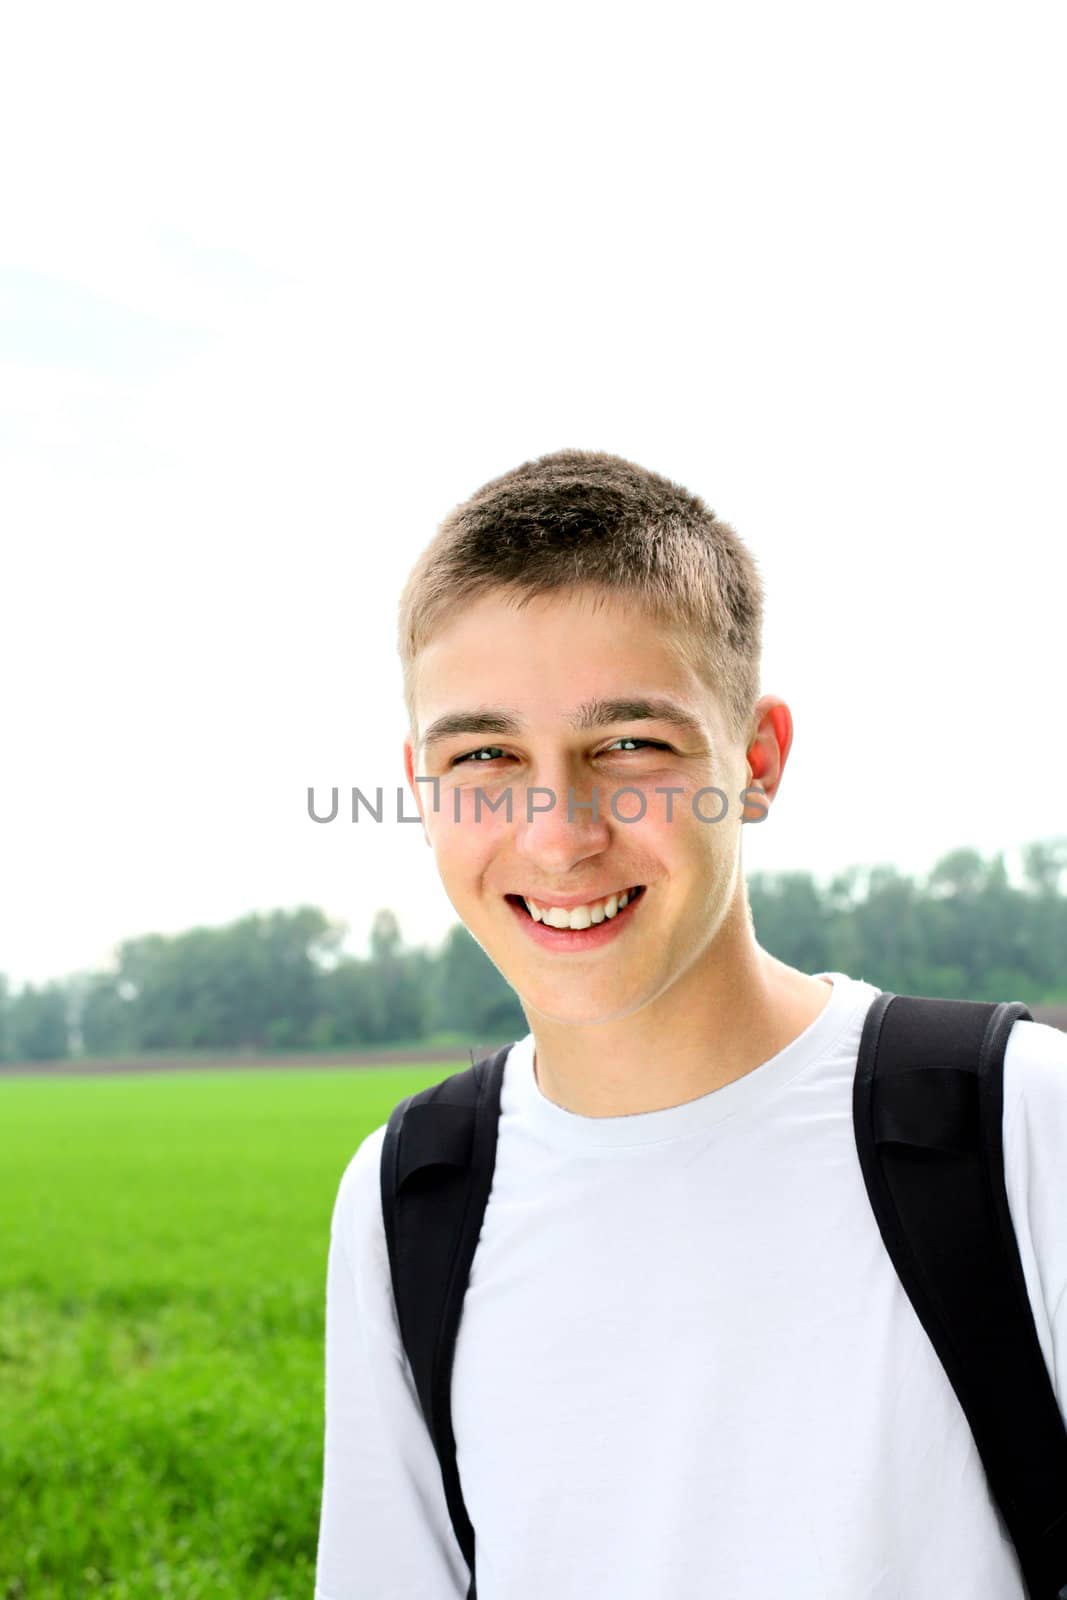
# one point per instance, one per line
(579, 916)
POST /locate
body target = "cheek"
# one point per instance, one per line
(464, 848)
(706, 848)
(478, 807)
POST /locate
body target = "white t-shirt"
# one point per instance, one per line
(686, 1368)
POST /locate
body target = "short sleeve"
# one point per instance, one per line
(385, 1532)
(1035, 1169)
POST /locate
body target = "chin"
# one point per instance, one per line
(579, 1010)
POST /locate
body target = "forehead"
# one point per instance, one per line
(553, 655)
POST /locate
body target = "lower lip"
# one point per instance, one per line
(577, 938)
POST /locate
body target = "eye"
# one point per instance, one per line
(460, 759)
(495, 750)
(651, 744)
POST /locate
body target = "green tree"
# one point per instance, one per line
(252, 984)
(350, 1008)
(790, 918)
(471, 995)
(1045, 949)
(1044, 863)
(883, 939)
(38, 1023)
(105, 1020)
(397, 973)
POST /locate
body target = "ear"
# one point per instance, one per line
(768, 751)
(416, 788)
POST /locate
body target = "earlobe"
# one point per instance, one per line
(758, 803)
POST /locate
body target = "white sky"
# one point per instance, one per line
(281, 285)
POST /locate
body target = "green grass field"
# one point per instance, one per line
(162, 1296)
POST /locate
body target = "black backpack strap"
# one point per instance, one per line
(437, 1166)
(928, 1101)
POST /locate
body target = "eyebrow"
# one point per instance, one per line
(590, 714)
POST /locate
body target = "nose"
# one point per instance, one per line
(553, 841)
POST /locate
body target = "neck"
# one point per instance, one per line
(734, 1008)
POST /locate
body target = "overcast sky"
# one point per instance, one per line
(281, 285)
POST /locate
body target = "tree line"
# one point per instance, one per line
(280, 981)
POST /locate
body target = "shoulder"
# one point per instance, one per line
(1035, 1073)
(1035, 1103)
(1035, 1164)
(357, 1212)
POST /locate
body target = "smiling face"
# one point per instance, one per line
(544, 666)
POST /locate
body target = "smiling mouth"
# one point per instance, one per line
(634, 894)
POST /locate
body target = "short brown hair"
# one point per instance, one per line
(581, 517)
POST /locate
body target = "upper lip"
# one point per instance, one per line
(567, 902)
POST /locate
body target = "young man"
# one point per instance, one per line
(686, 1367)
